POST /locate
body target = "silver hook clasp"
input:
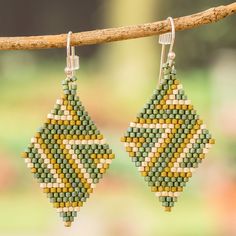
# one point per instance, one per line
(171, 54)
(72, 61)
(167, 39)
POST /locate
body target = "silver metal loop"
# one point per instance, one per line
(167, 39)
(172, 33)
(68, 43)
(72, 61)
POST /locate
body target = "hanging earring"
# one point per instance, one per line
(167, 140)
(68, 155)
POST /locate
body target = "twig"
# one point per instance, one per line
(116, 34)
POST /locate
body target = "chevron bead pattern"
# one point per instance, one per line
(167, 140)
(68, 155)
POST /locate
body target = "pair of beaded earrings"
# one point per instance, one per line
(68, 155)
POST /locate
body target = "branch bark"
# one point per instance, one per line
(116, 34)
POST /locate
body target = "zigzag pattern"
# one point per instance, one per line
(167, 140)
(68, 155)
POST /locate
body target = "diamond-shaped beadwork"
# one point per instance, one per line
(68, 155)
(167, 140)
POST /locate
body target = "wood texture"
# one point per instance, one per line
(116, 34)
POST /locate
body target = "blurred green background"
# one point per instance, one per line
(115, 81)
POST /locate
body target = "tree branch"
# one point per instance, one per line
(116, 34)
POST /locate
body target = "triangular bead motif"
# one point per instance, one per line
(167, 140)
(68, 155)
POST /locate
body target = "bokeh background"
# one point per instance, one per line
(115, 81)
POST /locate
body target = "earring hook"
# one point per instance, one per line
(72, 61)
(171, 54)
(167, 39)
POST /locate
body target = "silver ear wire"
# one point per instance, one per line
(167, 39)
(72, 61)
(171, 54)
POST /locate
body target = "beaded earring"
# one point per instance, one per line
(68, 155)
(167, 140)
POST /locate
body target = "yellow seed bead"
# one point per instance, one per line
(177, 126)
(167, 169)
(143, 173)
(173, 189)
(163, 174)
(40, 141)
(66, 122)
(24, 154)
(122, 139)
(170, 174)
(174, 121)
(64, 190)
(59, 190)
(99, 155)
(78, 122)
(179, 189)
(56, 205)
(69, 107)
(177, 82)
(167, 189)
(100, 136)
(106, 165)
(160, 189)
(157, 154)
(154, 189)
(74, 166)
(155, 121)
(190, 107)
(188, 174)
(167, 140)
(182, 174)
(153, 159)
(141, 121)
(90, 190)
(46, 190)
(173, 86)
(56, 166)
(138, 145)
(131, 154)
(202, 155)
(168, 209)
(212, 141)
(178, 106)
(176, 174)
(170, 164)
